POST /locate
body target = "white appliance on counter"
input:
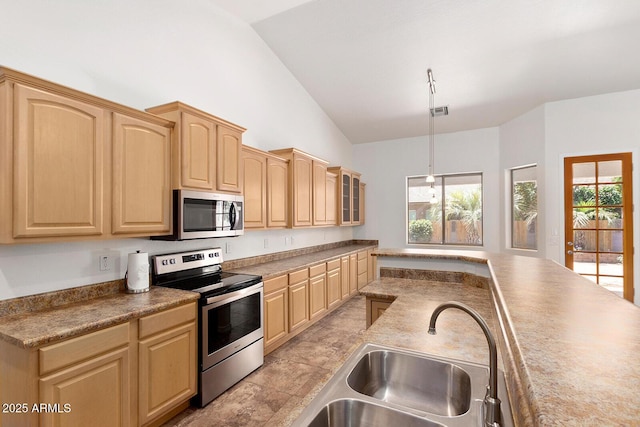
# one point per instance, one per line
(137, 275)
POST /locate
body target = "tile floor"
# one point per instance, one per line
(287, 374)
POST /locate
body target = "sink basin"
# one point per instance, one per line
(355, 413)
(385, 386)
(416, 382)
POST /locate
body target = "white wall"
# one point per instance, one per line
(586, 126)
(543, 136)
(522, 143)
(148, 52)
(546, 135)
(386, 164)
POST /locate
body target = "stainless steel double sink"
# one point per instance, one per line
(385, 386)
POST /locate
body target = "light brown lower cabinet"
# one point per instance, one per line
(132, 374)
(334, 292)
(276, 311)
(372, 266)
(353, 274)
(375, 308)
(295, 301)
(298, 299)
(362, 269)
(345, 289)
(317, 290)
(87, 378)
(167, 361)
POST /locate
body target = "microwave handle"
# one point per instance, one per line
(232, 216)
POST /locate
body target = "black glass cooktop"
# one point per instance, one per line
(212, 284)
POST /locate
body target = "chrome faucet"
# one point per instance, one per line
(492, 414)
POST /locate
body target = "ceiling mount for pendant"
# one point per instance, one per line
(440, 111)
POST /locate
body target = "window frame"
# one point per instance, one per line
(512, 208)
(442, 186)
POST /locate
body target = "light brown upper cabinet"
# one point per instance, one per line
(362, 192)
(349, 206)
(265, 189)
(319, 192)
(306, 192)
(207, 151)
(59, 153)
(332, 201)
(277, 192)
(141, 170)
(229, 165)
(194, 148)
(254, 164)
(74, 166)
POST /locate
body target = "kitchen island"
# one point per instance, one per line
(568, 347)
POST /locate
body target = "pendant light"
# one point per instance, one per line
(430, 178)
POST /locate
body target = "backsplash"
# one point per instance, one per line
(53, 299)
(438, 276)
(245, 262)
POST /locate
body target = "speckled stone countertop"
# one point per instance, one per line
(569, 347)
(40, 319)
(405, 324)
(276, 267)
(35, 326)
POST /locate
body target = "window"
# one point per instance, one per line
(524, 207)
(456, 218)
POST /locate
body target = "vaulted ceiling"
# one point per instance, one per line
(365, 61)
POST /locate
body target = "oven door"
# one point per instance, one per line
(230, 322)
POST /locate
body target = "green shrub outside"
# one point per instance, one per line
(420, 231)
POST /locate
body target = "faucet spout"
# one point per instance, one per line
(491, 400)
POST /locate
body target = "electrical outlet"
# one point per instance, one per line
(266, 243)
(227, 248)
(104, 262)
(108, 260)
(292, 241)
(287, 241)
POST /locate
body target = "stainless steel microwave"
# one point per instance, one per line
(202, 215)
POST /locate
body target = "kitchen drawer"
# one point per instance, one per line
(77, 349)
(362, 255)
(167, 319)
(317, 270)
(275, 284)
(298, 276)
(333, 264)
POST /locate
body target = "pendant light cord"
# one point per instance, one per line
(432, 91)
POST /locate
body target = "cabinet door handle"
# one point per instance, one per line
(570, 252)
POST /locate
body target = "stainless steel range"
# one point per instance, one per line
(230, 322)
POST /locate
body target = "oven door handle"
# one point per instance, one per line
(235, 295)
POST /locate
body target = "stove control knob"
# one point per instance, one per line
(211, 254)
(165, 262)
(172, 261)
